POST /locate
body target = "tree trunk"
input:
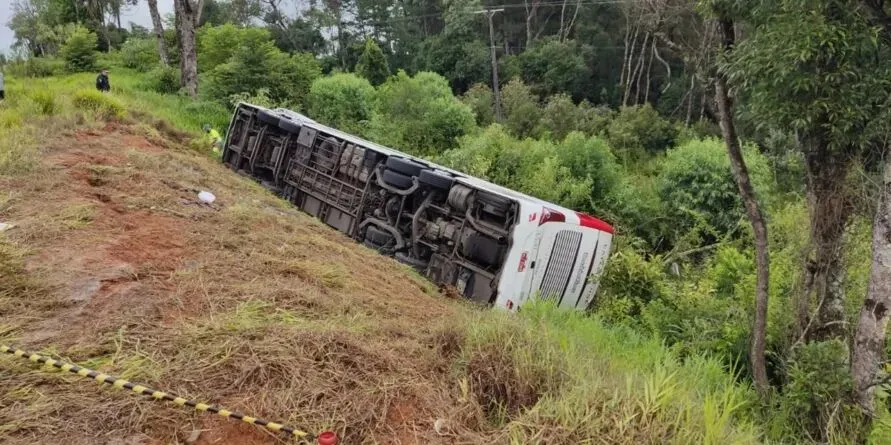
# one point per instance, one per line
(869, 342)
(756, 218)
(826, 170)
(158, 28)
(186, 14)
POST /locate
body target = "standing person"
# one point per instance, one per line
(2, 88)
(102, 81)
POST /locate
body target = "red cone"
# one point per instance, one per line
(328, 438)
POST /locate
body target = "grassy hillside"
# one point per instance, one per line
(260, 308)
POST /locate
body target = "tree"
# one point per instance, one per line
(753, 212)
(344, 101)
(188, 13)
(869, 342)
(158, 30)
(372, 64)
(521, 109)
(813, 68)
(481, 100)
(79, 51)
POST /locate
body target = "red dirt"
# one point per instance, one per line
(120, 270)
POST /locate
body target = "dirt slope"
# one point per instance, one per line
(246, 303)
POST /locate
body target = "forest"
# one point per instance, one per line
(739, 147)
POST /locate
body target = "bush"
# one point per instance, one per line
(98, 102)
(560, 117)
(164, 80)
(701, 194)
(419, 114)
(255, 65)
(481, 100)
(46, 101)
(36, 67)
(594, 120)
(217, 44)
(520, 108)
(372, 64)
(140, 54)
(344, 101)
(553, 67)
(79, 51)
(637, 130)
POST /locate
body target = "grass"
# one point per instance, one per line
(266, 310)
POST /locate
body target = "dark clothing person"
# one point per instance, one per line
(102, 82)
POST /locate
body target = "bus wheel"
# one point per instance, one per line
(397, 180)
(405, 166)
(435, 179)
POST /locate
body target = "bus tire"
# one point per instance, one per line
(404, 166)
(268, 117)
(436, 179)
(397, 180)
(497, 204)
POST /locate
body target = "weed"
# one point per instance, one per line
(100, 103)
(77, 216)
(46, 101)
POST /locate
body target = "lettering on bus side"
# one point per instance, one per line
(579, 276)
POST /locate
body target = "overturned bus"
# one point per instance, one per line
(494, 245)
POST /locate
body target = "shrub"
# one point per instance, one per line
(217, 44)
(640, 129)
(37, 67)
(373, 64)
(45, 100)
(419, 114)
(481, 100)
(594, 119)
(700, 192)
(254, 65)
(560, 116)
(79, 51)
(342, 100)
(164, 80)
(100, 103)
(591, 158)
(520, 108)
(552, 67)
(140, 54)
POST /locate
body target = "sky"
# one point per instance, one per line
(138, 14)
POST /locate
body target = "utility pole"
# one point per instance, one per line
(495, 89)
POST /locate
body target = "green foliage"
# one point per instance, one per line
(537, 168)
(628, 284)
(701, 193)
(217, 44)
(79, 51)
(560, 117)
(543, 372)
(481, 100)
(813, 401)
(553, 67)
(419, 114)
(140, 54)
(818, 69)
(163, 80)
(256, 64)
(520, 108)
(372, 64)
(46, 102)
(103, 104)
(36, 67)
(639, 130)
(344, 101)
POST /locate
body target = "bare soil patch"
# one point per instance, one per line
(248, 303)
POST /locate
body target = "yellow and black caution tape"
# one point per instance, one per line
(157, 395)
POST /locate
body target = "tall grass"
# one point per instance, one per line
(551, 376)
